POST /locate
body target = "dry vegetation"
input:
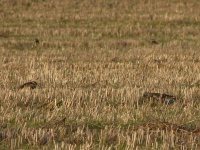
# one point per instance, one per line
(93, 60)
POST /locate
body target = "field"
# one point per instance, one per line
(93, 60)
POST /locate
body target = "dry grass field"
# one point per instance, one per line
(93, 60)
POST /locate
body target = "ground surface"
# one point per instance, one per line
(93, 60)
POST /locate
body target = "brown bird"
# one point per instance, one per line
(154, 42)
(31, 85)
(158, 97)
(37, 41)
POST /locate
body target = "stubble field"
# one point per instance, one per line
(93, 60)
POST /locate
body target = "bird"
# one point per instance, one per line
(168, 99)
(158, 97)
(154, 42)
(30, 84)
(37, 41)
